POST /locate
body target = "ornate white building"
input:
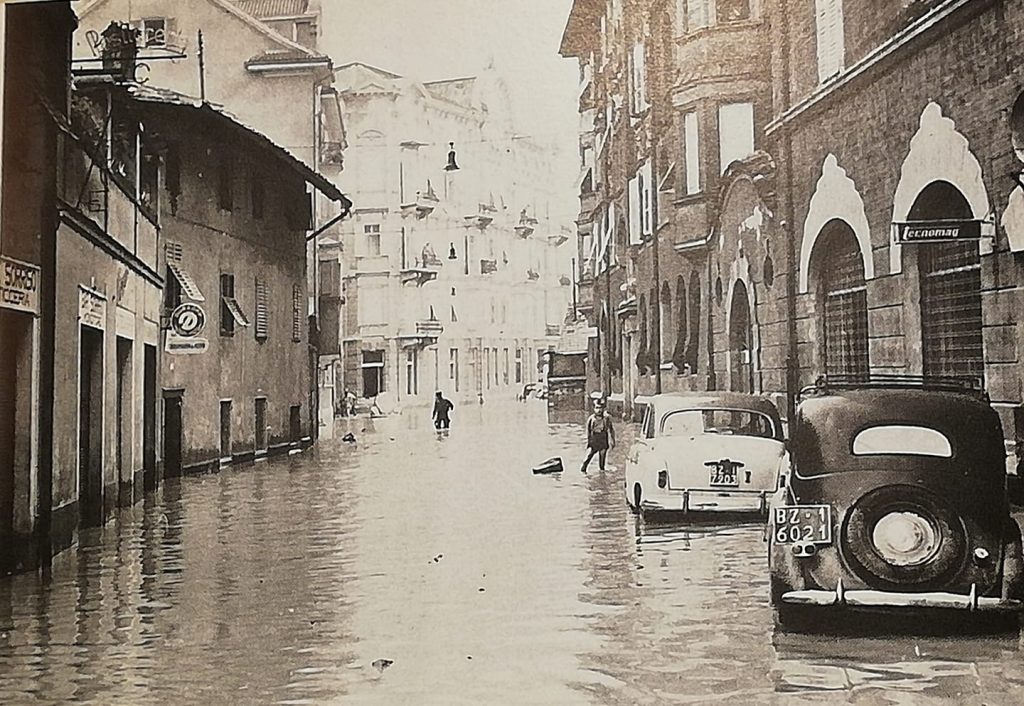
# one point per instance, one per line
(451, 279)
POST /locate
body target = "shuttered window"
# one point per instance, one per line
(262, 328)
(831, 46)
(951, 309)
(846, 307)
(691, 149)
(296, 313)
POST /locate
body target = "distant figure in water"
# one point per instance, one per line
(600, 436)
(442, 408)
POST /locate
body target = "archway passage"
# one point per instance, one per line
(842, 296)
(679, 354)
(951, 323)
(741, 374)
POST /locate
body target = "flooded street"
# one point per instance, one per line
(407, 569)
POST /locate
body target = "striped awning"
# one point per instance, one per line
(185, 281)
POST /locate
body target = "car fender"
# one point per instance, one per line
(1013, 563)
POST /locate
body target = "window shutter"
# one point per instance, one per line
(296, 313)
(262, 327)
(635, 228)
(173, 251)
(692, 148)
(648, 201)
(831, 48)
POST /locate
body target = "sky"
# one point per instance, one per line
(436, 39)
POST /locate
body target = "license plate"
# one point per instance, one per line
(803, 523)
(724, 475)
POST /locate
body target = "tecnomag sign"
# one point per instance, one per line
(937, 231)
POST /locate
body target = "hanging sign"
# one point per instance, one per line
(185, 344)
(937, 231)
(19, 285)
(188, 320)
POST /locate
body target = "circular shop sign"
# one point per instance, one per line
(188, 320)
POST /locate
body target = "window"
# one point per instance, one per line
(638, 76)
(231, 314)
(641, 205)
(258, 196)
(372, 232)
(297, 314)
(504, 368)
(149, 181)
(735, 133)
(734, 422)
(453, 367)
(494, 352)
(156, 31)
(829, 24)
(410, 372)
(305, 33)
(519, 365)
(262, 327)
(454, 316)
(691, 153)
(843, 297)
(225, 177)
(901, 439)
(172, 291)
(372, 368)
(732, 11)
(697, 14)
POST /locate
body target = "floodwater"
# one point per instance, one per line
(407, 569)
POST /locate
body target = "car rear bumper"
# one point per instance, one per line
(730, 501)
(873, 599)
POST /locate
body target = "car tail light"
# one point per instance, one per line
(905, 539)
(662, 479)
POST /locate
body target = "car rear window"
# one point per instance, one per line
(735, 422)
(903, 440)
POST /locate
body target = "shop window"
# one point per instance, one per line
(842, 296)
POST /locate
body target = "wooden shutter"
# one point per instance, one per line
(831, 49)
(262, 327)
(296, 313)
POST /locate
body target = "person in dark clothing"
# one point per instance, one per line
(600, 436)
(442, 408)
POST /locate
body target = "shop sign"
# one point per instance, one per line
(185, 345)
(19, 286)
(188, 320)
(92, 308)
(937, 231)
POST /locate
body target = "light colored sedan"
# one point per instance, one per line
(705, 453)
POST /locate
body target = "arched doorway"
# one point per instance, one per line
(841, 294)
(951, 323)
(679, 354)
(741, 373)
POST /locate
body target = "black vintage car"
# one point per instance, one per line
(895, 505)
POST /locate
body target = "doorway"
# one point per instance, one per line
(124, 417)
(150, 479)
(15, 394)
(173, 424)
(261, 425)
(90, 426)
(741, 374)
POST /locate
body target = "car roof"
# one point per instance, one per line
(675, 401)
(922, 405)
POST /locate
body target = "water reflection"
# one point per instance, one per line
(408, 568)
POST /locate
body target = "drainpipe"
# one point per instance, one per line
(792, 361)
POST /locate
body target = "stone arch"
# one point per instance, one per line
(835, 198)
(938, 151)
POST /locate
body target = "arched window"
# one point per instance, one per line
(666, 324)
(693, 347)
(641, 354)
(950, 289)
(842, 296)
(652, 344)
(679, 353)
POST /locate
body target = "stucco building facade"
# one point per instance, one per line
(455, 277)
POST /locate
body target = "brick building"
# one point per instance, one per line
(872, 223)
(671, 94)
(894, 130)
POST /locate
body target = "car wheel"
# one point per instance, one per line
(638, 495)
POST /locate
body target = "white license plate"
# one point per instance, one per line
(803, 523)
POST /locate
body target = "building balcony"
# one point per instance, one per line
(588, 204)
(723, 54)
(532, 275)
(526, 226)
(480, 220)
(488, 267)
(425, 332)
(423, 205)
(552, 330)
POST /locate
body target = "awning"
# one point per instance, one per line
(185, 281)
(236, 311)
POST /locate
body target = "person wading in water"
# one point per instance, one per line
(600, 436)
(442, 408)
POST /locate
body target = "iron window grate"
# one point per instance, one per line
(951, 320)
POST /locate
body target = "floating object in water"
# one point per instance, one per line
(381, 664)
(552, 465)
(349, 438)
